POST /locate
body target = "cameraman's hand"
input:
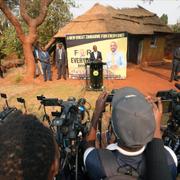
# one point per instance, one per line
(157, 109)
(100, 102)
(100, 106)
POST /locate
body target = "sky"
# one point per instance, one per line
(159, 7)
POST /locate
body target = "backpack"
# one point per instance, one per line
(112, 169)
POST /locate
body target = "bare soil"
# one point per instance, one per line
(148, 80)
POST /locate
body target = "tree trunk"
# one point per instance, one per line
(29, 59)
(32, 23)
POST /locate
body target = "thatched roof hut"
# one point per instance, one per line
(145, 30)
(101, 19)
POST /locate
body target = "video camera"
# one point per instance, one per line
(171, 135)
(110, 96)
(171, 103)
(49, 101)
(69, 132)
(7, 110)
(69, 121)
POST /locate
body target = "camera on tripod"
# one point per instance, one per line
(69, 128)
(69, 120)
(171, 135)
(171, 103)
(7, 110)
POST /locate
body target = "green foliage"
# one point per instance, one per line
(3, 22)
(33, 8)
(58, 15)
(14, 6)
(176, 27)
(9, 42)
(12, 3)
(164, 18)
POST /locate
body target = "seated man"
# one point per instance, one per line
(133, 123)
(28, 149)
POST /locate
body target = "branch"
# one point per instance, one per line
(42, 13)
(23, 12)
(5, 9)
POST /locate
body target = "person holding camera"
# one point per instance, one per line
(28, 150)
(177, 86)
(133, 122)
(175, 64)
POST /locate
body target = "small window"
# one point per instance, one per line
(153, 43)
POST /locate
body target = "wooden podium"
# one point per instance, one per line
(94, 79)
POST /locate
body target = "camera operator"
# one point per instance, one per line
(133, 124)
(156, 162)
(175, 64)
(177, 86)
(27, 149)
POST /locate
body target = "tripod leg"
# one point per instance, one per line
(100, 131)
(76, 178)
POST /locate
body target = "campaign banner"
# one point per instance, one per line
(113, 47)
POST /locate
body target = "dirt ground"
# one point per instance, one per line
(148, 80)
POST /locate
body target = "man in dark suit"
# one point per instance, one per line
(61, 60)
(95, 55)
(175, 64)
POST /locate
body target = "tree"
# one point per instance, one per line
(58, 15)
(4, 23)
(10, 43)
(164, 18)
(176, 27)
(27, 39)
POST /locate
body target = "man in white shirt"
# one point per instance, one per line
(61, 60)
(114, 58)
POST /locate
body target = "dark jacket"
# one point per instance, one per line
(61, 60)
(176, 53)
(99, 56)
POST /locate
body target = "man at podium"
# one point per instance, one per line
(95, 55)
